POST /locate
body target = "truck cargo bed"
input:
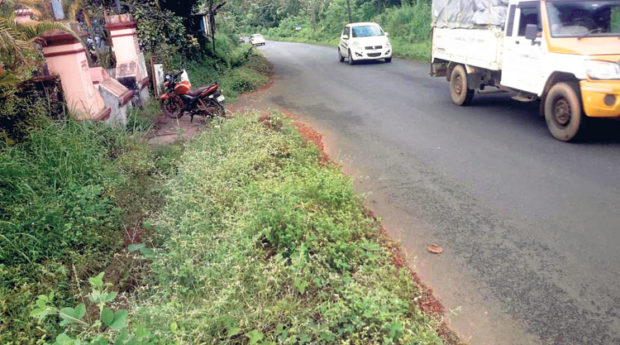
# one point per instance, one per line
(475, 47)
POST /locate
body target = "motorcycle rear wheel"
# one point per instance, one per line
(214, 108)
(171, 109)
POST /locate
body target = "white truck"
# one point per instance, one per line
(565, 53)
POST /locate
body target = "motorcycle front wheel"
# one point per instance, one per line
(171, 108)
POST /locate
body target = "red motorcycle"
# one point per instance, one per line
(180, 98)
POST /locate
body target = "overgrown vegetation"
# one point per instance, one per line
(259, 243)
(70, 195)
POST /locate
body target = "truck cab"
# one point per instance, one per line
(565, 53)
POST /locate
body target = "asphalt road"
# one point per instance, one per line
(530, 226)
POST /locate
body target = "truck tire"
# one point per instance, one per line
(563, 112)
(460, 93)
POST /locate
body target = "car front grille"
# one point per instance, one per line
(375, 47)
(374, 54)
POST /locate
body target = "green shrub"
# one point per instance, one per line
(21, 111)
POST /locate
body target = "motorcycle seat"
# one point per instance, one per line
(197, 91)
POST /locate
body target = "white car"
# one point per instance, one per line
(364, 41)
(257, 40)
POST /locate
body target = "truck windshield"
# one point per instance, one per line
(367, 31)
(584, 18)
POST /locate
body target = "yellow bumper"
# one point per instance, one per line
(601, 98)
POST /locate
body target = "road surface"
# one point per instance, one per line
(530, 226)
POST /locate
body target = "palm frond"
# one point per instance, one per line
(8, 80)
(11, 39)
(18, 53)
(34, 29)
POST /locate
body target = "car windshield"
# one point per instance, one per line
(367, 31)
(584, 18)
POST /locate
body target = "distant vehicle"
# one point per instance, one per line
(565, 53)
(364, 41)
(297, 27)
(257, 40)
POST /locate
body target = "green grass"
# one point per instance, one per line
(69, 193)
(259, 243)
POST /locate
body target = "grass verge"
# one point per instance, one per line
(262, 243)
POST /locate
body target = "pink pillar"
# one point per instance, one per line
(129, 60)
(66, 57)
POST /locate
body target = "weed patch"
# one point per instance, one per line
(260, 243)
(70, 193)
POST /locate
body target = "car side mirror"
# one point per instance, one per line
(345, 37)
(531, 31)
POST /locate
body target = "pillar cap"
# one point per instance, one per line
(120, 21)
(59, 37)
(24, 11)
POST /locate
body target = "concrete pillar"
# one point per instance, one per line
(59, 13)
(130, 65)
(66, 57)
(115, 96)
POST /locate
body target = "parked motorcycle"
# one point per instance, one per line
(180, 97)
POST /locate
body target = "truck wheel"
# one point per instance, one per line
(459, 92)
(563, 113)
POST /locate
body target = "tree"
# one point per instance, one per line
(213, 7)
(349, 10)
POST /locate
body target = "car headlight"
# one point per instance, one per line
(357, 45)
(388, 45)
(602, 69)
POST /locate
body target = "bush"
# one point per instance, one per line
(21, 111)
(408, 23)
